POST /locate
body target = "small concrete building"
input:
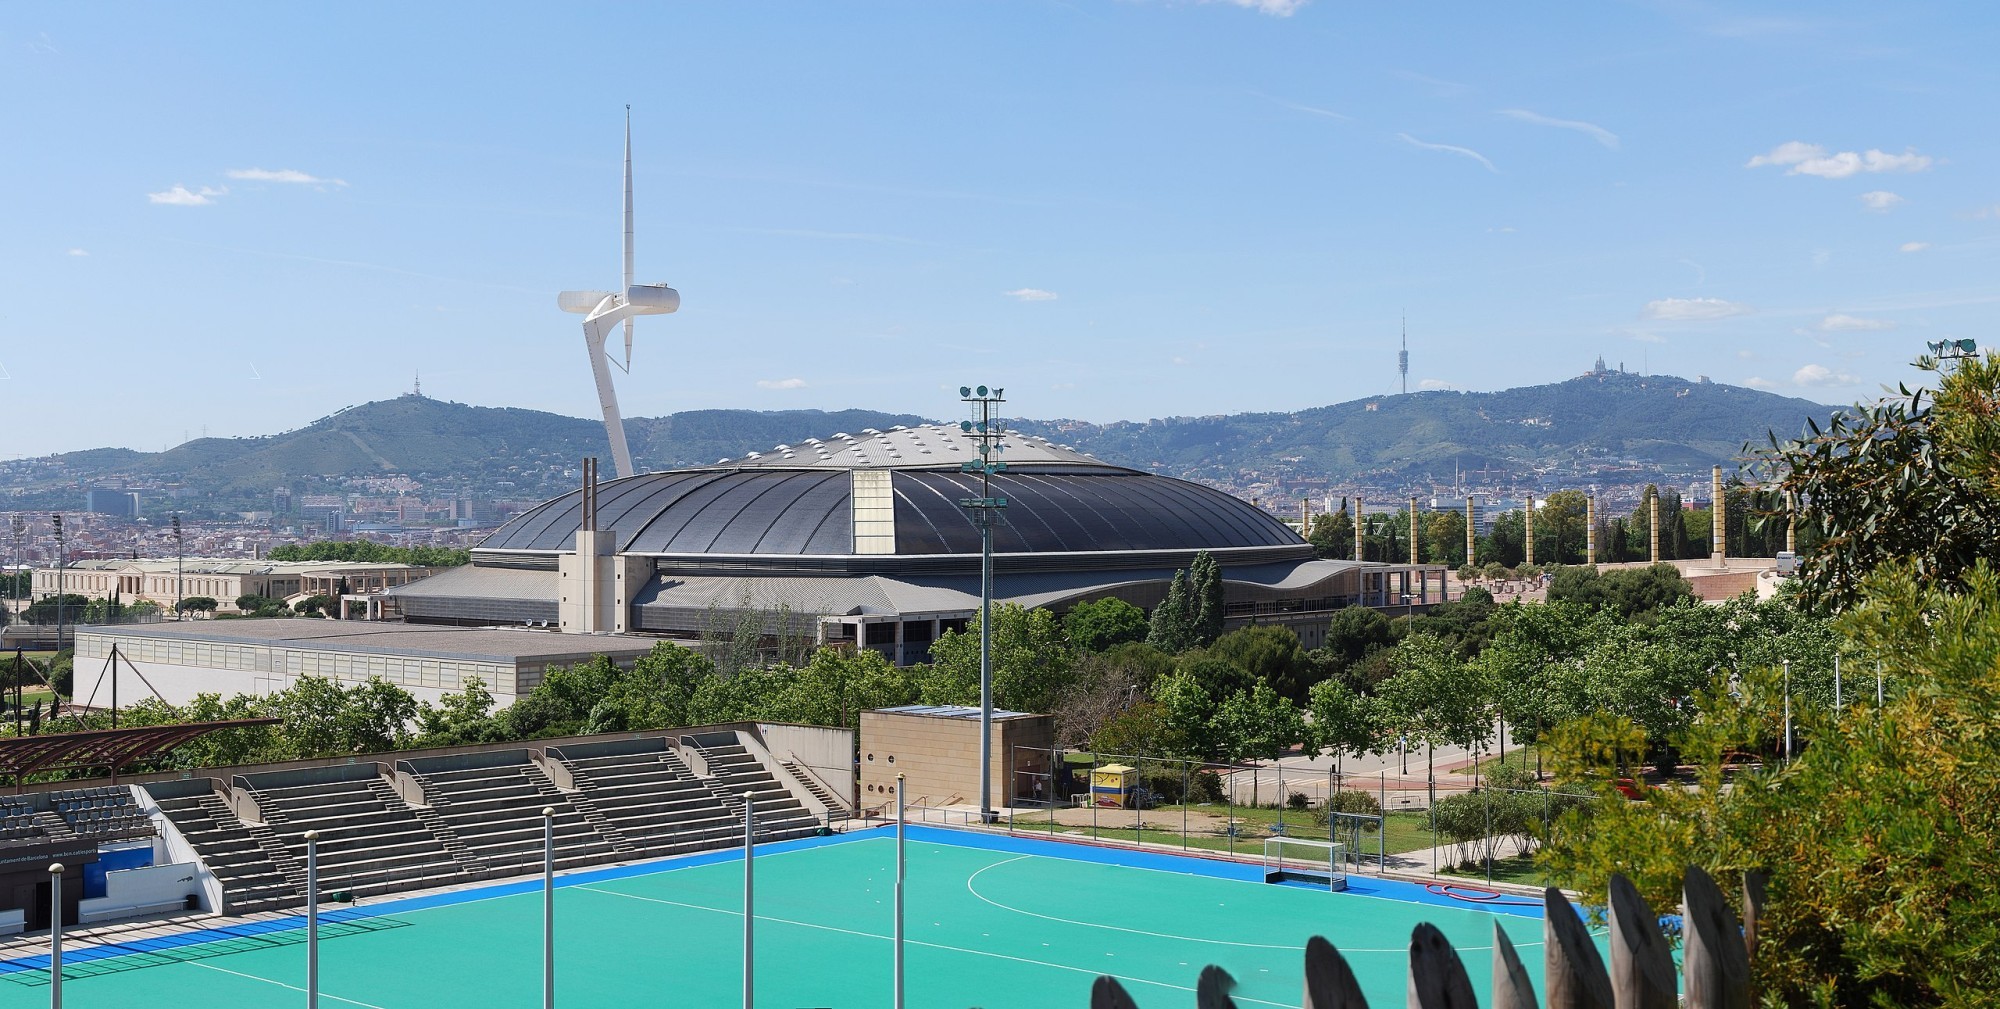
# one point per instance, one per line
(179, 659)
(165, 580)
(936, 749)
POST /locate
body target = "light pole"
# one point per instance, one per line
(177, 565)
(62, 555)
(986, 431)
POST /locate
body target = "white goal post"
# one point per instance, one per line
(1300, 860)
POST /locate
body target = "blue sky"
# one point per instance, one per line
(240, 217)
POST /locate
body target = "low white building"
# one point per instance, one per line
(180, 659)
(165, 581)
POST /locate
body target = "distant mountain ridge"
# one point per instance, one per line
(1602, 421)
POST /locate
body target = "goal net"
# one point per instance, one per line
(1299, 860)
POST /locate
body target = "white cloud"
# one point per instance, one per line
(1694, 309)
(1914, 246)
(1799, 158)
(1838, 323)
(1275, 8)
(1031, 294)
(1591, 130)
(1640, 336)
(182, 196)
(1880, 200)
(1433, 383)
(1463, 152)
(1760, 383)
(1180, 361)
(291, 175)
(1819, 374)
(79, 252)
(782, 383)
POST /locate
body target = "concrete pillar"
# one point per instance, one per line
(1718, 532)
(1413, 530)
(1590, 530)
(1359, 541)
(1653, 521)
(1305, 516)
(1528, 523)
(1471, 533)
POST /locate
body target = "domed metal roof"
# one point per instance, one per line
(1057, 503)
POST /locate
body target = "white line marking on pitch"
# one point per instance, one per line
(930, 945)
(281, 984)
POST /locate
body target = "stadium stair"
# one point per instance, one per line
(370, 841)
(811, 785)
(252, 878)
(496, 815)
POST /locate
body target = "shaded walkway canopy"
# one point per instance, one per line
(114, 749)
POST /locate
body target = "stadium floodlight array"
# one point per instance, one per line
(1303, 860)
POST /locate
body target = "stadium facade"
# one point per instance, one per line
(864, 540)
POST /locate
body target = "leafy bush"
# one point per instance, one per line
(1206, 787)
(1297, 802)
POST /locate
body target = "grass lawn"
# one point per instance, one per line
(1515, 869)
(1407, 831)
(1530, 752)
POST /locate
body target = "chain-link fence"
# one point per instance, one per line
(1387, 820)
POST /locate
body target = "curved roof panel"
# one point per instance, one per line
(809, 510)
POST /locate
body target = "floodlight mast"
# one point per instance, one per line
(986, 430)
(604, 310)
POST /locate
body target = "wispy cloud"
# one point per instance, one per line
(1819, 374)
(1311, 110)
(1914, 246)
(1031, 294)
(182, 196)
(1432, 384)
(1880, 200)
(781, 383)
(42, 44)
(79, 252)
(291, 175)
(1760, 383)
(1591, 130)
(1463, 152)
(1800, 158)
(1694, 309)
(1642, 336)
(1838, 323)
(1441, 88)
(1275, 8)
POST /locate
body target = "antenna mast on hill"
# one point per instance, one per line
(1403, 356)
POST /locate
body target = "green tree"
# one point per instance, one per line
(1205, 584)
(1031, 658)
(1344, 723)
(1877, 840)
(1444, 537)
(1629, 592)
(1270, 655)
(197, 604)
(1332, 535)
(1559, 527)
(1172, 628)
(1432, 699)
(1102, 624)
(1187, 716)
(459, 719)
(1909, 478)
(1258, 724)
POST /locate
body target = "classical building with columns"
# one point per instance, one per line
(864, 540)
(165, 580)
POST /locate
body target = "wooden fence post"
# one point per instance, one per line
(1572, 971)
(1511, 987)
(1714, 969)
(1437, 976)
(1330, 982)
(1642, 970)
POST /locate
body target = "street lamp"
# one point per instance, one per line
(62, 560)
(986, 431)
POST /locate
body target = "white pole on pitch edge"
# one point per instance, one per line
(898, 956)
(749, 902)
(55, 935)
(312, 919)
(548, 907)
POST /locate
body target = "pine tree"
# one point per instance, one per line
(1205, 599)
(1172, 627)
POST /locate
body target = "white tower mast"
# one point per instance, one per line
(602, 310)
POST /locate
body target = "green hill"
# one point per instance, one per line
(1604, 424)
(1649, 425)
